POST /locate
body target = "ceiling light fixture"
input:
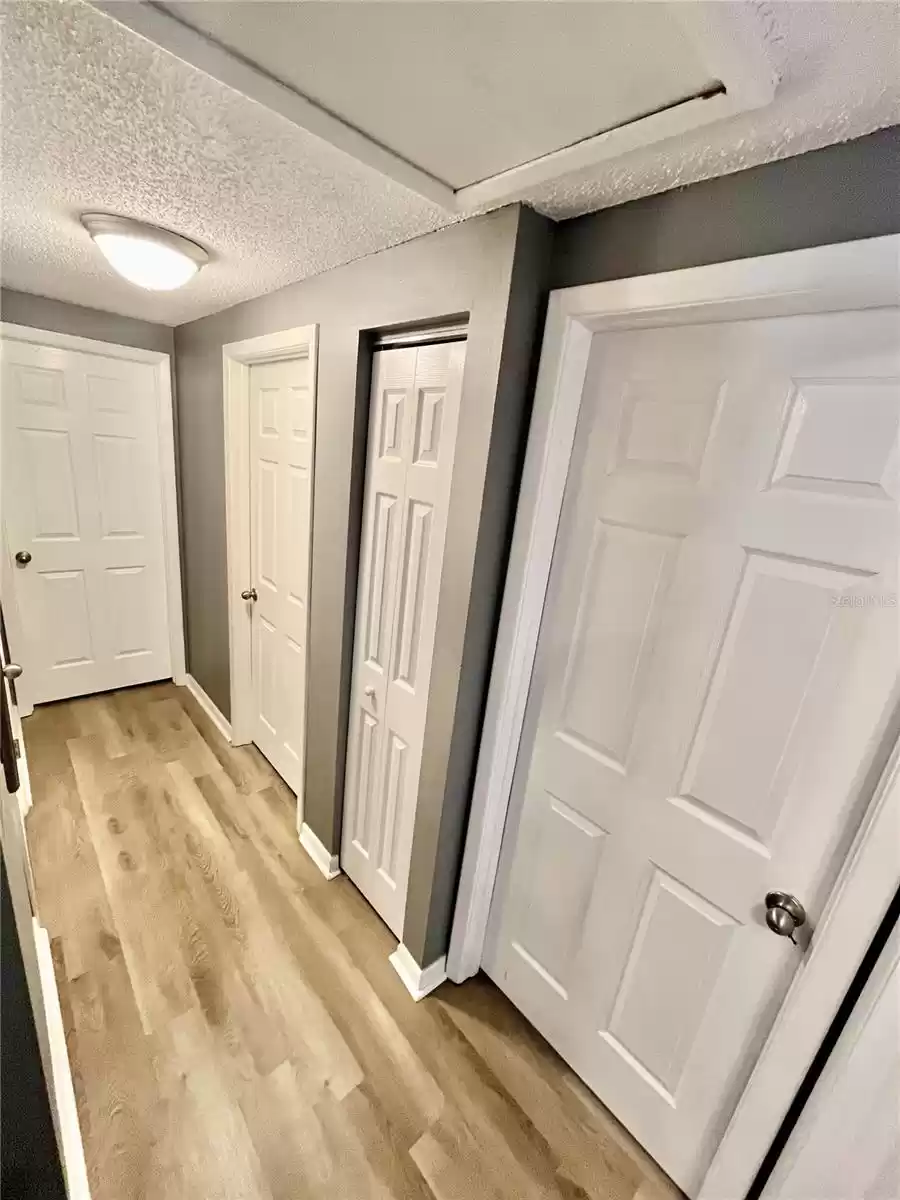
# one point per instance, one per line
(145, 255)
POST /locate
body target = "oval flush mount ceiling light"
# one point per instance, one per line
(145, 255)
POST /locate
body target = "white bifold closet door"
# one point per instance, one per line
(412, 436)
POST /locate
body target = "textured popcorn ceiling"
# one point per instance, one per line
(839, 68)
(94, 117)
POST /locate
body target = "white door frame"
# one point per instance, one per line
(851, 276)
(165, 424)
(237, 358)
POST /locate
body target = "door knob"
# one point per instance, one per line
(369, 691)
(784, 914)
(12, 671)
(249, 594)
(23, 558)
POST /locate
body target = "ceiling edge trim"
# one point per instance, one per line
(729, 41)
(728, 38)
(203, 54)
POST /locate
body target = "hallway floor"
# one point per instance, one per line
(235, 1029)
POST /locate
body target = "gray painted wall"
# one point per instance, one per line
(492, 268)
(440, 830)
(37, 312)
(833, 195)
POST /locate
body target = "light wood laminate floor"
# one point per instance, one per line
(235, 1029)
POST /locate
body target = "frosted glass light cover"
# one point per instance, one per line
(147, 263)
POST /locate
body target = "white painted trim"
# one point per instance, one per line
(162, 363)
(728, 41)
(237, 358)
(171, 542)
(212, 710)
(845, 1097)
(71, 1145)
(864, 889)
(850, 276)
(328, 864)
(69, 341)
(418, 981)
(241, 76)
(40, 978)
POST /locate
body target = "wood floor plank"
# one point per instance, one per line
(235, 1029)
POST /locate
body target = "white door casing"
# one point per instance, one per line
(270, 407)
(282, 416)
(717, 660)
(37, 960)
(846, 1143)
(88, 492)
(412, 438)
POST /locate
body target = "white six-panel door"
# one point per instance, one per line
(282, 427)
(716, 662)
(82, 495)
(412, 437)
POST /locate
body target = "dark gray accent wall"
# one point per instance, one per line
(440, 831)
(838, 194)
(491, 268)
(38, 312)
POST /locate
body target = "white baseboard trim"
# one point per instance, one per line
(223, 726)
(327, 863)
(417, 980)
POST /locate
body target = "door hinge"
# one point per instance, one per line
(17, 749)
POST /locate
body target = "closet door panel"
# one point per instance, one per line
(415, 407)
(393, 379)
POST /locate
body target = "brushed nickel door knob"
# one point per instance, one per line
(249, 594)
(23, 558)
(12, 671)
(784, 914)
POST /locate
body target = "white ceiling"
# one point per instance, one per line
(466, 97)
(96, 117)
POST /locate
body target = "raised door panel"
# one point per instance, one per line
(53, 500)
(841, 437)
(552, 897)
(622, 592)
(383, 538)
(297, 525)
(132, 620)
(395, 786)
(739, 759)
(677, 954)
(266, 525)
(414, 564)
(65, 619)
(362, 798)
(118, 470)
